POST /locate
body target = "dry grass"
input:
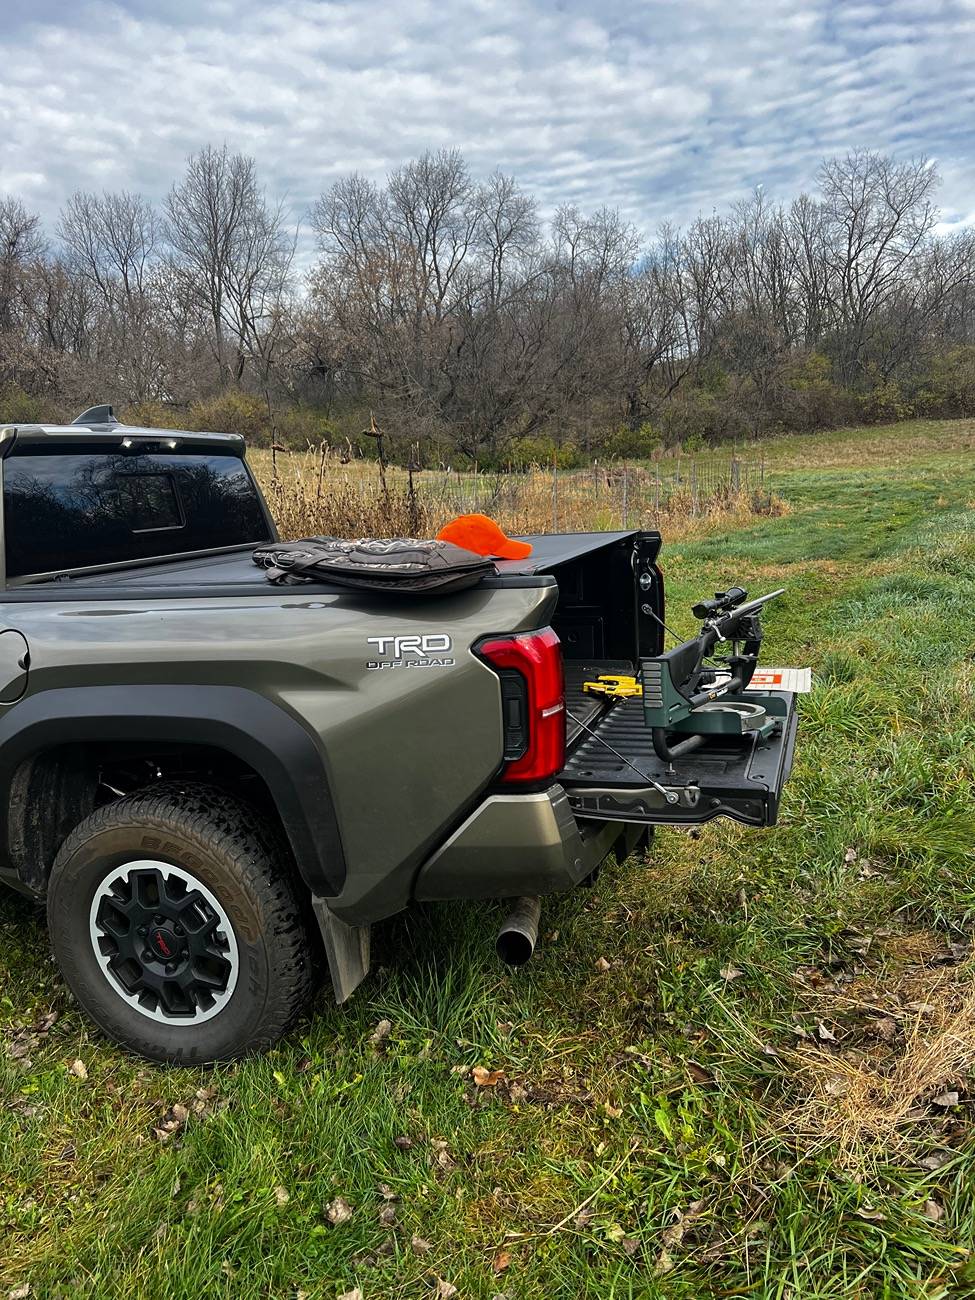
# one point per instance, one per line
(319, 492)
(903, 1050)
(881, 445)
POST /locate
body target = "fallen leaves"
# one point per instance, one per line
(885, 1028)
(377, 1039)
(871, 1214)
(730, 973)
(673, 1236)
(945, 1100)
(172, 1122)
(664, 1264)
(21, 1044)
(699, 1073)
(485, 1078)
(441, 1155)
(27, 1038)
(78, 1069)
(339, 1211)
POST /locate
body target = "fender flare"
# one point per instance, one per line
(252, 728)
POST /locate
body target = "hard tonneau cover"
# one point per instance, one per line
(235, 569)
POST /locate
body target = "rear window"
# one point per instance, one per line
(71, 511)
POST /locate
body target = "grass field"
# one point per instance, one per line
(742, 1067)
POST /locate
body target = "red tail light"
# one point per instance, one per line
(533, 703)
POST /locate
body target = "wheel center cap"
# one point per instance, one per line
(164, 943)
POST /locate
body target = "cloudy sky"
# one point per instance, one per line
(662, 108)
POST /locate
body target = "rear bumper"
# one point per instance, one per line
(516, 844)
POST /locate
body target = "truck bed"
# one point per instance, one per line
(582, 708)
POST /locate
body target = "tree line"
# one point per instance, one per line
(447, 312)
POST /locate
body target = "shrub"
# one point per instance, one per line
(947, 383)
(523, 453)
(811, 399)
(232, 412)
(633, 444)
(886, 402)
(155, 415)
(705, 415)
(18, 407)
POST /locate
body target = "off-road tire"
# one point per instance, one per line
(239, 857)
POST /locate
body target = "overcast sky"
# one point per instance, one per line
(661, 109)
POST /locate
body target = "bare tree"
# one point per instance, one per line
(878, 214)
(112, 241)
(464, 321)
(21, 243)
(234, 253)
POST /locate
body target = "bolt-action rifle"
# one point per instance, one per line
(681, 695)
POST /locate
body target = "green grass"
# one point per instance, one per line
(630, 1093)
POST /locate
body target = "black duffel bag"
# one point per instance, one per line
(406, 566)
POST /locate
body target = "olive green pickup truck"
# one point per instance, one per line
(212, 781)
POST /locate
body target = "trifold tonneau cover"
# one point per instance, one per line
(613, 774)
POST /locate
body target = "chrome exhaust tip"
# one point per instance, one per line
(517, 937)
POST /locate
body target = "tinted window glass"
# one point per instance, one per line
(67, 511)
(150, 500)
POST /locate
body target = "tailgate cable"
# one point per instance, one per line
(669, 795)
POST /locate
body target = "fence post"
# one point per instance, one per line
(735, 475)
(555, 495)
(656, 489)
(626, 507)
(694, 499)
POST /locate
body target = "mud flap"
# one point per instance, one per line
(347, 949)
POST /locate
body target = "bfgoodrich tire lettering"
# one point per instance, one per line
(218, 844)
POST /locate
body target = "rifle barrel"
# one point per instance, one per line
(749, 608)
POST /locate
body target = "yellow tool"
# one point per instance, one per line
(615, 685)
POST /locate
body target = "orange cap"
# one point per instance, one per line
(483, 536)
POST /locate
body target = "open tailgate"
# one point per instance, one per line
(606, 775)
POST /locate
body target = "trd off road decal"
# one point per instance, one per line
(424, 650)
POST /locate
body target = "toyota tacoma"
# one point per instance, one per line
(211, 779)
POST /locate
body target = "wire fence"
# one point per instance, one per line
(319, 491)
